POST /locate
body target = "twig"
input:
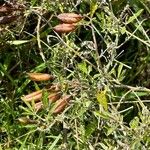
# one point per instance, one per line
(132, 88)
(129, 102)
(77, 134)
(99, 64)
(38, 38)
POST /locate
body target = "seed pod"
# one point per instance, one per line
(64, 28)
(32, 94)
(7, 19)
(61, 104)
(69, 17)
(52, 98)
(35, 96)
(40, 76)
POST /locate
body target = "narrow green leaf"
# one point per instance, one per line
(55, 142)
(0, 147)
(90, 128)
(111, 130)
(134, 123)
(103, 115)
(18, 42)
(123, 30)
(93, 8)
(132, 18)
(120, 70)
(83, 67)
(101, 98)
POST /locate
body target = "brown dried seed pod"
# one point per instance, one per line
(61, 104)
(35, 96)
(69, 17)
(52, 98)
(40, 76)
(64, 28)
(32, 94)
(7, 19)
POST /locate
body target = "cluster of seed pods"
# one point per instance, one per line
(54, 94)
(69, 22)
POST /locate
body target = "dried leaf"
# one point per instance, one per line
(5, 9)
(8, 8)
(64, 28)
(38, 106)
(69, 17)
(7, 19)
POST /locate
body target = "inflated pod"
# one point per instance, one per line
(61, 104)
(69, 17)
(64, 28)
(40, 76)
(52, 98)
(35, 96)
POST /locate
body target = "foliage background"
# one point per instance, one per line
(104, 65)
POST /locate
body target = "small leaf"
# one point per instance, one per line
(120, 70)
(134, 123)
(93, 8)
(90, 128)
(83, 67)
(103, 145)
(132, 18)
(111, 130)
(18, 42)
(101, 97)
(123, 30)
(103, 115)
(45, 98)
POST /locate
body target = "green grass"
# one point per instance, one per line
(104, 64)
